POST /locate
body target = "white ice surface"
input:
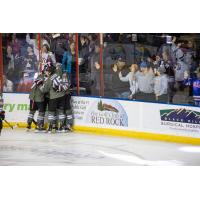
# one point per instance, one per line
(28, 148)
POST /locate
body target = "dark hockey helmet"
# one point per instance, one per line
(49, 67)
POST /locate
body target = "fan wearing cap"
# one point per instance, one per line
(161, 85)
(145, 79)
(57, 89)
(121, 62)
(47, 55)
(119, 89)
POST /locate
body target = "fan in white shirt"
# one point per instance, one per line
(7, 85)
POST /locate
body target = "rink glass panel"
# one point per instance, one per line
(148, 52)
(20, 61)
(117, 58)
(89, 64)
(103, 66)
(62, 52)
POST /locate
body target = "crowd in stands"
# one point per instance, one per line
(135, 66)
(155, 73)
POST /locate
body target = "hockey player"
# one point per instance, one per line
(57, 90)
(2, 113)
(67, 104)
(37, 103)
(67, 97)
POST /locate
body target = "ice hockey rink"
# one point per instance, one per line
(21, 148)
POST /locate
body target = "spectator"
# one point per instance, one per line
(189, 54)
(96, 78)
(145, 78)
(47, 55)
(169, 71)
(9, 64)
(71, 38)
(83, 54)
(16, 45)
(30, 61)
(121, 64)
(95, 57)
(92, 39)
(7, 84)
(161, 85)
(150, 62)
(119, 89)
(25, 83)
(130, 77)
(194, 82)
(74, 37)
(176, 49)
(69, 64)
(95, 70)
(141, 52)
(58, 46)
(180, 71)
(196, 89)
(34, 44)
(10, 58)
(157, 61)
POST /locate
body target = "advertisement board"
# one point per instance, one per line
(105, 113)
(171, 119)
(119, 114)
(16, 107)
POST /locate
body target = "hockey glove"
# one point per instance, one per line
(39, 81)
(2, 115)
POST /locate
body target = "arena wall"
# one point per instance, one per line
(175, 123)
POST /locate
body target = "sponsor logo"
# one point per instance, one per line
(103, 106)
(180, 119)
(9, 107)
(107, 112)
(180, 115)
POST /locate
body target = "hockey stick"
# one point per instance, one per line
(34, 122)
(17, 125)
(8, 123)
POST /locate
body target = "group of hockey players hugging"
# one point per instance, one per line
(50, 96)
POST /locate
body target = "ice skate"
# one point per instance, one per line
(61, 128)
(28, 128)
(68, 128)
(50, 129)
(40, 130)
